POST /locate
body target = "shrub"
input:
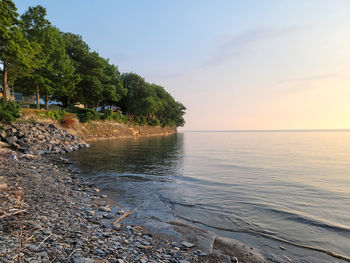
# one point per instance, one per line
(109, 115)
(52, 114)
(9, 110)
(122, 118)
(34, 106)
(86, 115)
(153, 122)
(67, 121)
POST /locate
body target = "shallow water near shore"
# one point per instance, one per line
(268, 189)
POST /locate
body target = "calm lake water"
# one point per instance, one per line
(258, 187)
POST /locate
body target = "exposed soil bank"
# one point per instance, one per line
(107, 129)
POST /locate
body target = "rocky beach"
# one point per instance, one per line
(48, 213)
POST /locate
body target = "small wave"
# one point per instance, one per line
(270, 236)
(173, 202)
(299, 218)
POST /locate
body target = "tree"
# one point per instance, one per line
(137, 89)
(13, 45)
(58, 69)
(54, 77)
(40, 59)
(36, 31)
(91, 70)
(151, 101)
(113, 90)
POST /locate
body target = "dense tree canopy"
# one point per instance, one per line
(38, 59)
(15, 50)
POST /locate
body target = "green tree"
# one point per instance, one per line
(113, 90)
(77, 50)
(13, 45)
(92, 75)
(151, 101)
(55, 76)
(36, 31)
(137, 89)
(58, 69)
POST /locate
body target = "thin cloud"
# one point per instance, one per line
(301, 84)
(235, 46)
(246, 39)
(310, 78)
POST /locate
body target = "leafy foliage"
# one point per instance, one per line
(38, 59)
(87, 115)
(52, 114)
(9, 110)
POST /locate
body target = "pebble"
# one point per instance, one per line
(32, 248)
(83, 260)
(187, 244)
(121, 212)
(116, 226)
(67, 225)
(104, 209)
(109, 216)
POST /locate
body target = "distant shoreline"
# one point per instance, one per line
(291, 130)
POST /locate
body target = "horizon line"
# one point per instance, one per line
(272, 130)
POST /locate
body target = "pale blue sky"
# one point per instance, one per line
(235, 64)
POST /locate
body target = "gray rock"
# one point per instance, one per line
(187, 244)
(82, 260)
(91, 212)
(11, 140)
(104, 209)
(13, 156)
(109, 216)
(116, 226)
(121, 212)
(33, 248)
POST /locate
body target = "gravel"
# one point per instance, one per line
(64, 220)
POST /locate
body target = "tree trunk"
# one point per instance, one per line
(47, 101)
(37, 97)
(6, 87)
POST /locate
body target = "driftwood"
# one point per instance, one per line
(124, 216)
(42, 242)
(13, 213)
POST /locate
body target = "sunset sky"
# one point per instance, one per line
(240, 64)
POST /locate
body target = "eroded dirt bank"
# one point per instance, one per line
(104, 129)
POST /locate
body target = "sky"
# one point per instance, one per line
(235, 64)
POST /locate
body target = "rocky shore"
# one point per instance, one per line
(48, 213)
(40, 138)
